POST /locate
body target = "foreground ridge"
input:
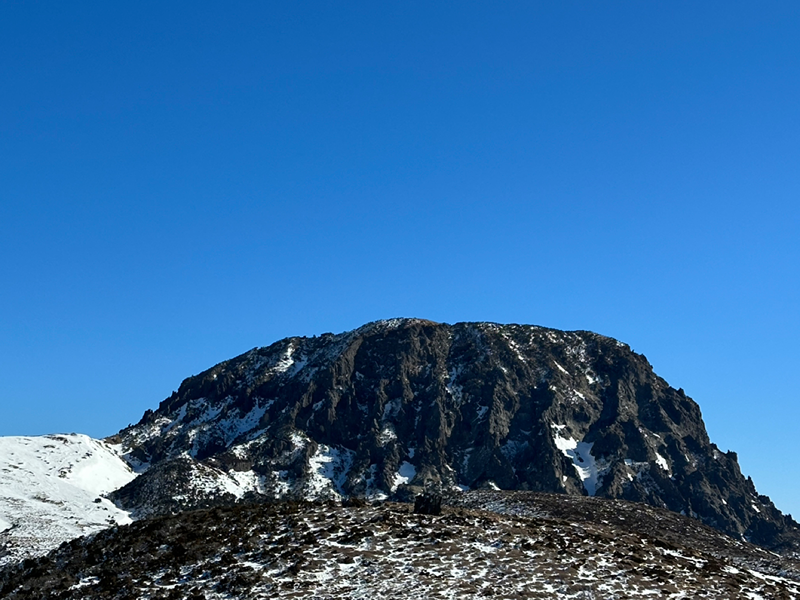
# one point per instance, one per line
(327, 550)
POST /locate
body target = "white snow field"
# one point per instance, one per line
(51, 491)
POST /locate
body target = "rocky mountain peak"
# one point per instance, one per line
(400, 405)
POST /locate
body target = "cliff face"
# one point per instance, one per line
(395, 406)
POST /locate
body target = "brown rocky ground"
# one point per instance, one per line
(546, 546)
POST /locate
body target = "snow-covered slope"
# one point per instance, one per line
(51, 491)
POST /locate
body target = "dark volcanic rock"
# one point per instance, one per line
(428, 504)
(399, 406)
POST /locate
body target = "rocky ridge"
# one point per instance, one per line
(398, 406)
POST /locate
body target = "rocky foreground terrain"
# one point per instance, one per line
(584, 549)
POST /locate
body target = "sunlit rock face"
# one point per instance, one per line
(398, 406)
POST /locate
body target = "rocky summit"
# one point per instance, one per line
(401, 406)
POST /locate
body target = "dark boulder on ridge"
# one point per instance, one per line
(401, 406)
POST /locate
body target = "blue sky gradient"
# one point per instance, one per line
(180, 183)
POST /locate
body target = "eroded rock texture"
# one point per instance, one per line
(397, 407)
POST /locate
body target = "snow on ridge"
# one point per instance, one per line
(212, 481)
(285, 361)
(230, 427)
(217, 420)
(388, 324)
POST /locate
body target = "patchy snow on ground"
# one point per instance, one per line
(51, 491)
(384, 551)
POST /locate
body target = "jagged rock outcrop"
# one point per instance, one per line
(399, 406)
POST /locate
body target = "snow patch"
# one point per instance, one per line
(280, 482)
(404, 475)
(247, 481)
(285, 361)
(662, 462)
(328, 471)
(465, 458)
(513, 447)
(580, 453)
(455, 390)
(387, 434)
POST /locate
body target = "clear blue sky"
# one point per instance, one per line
(183, 181)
